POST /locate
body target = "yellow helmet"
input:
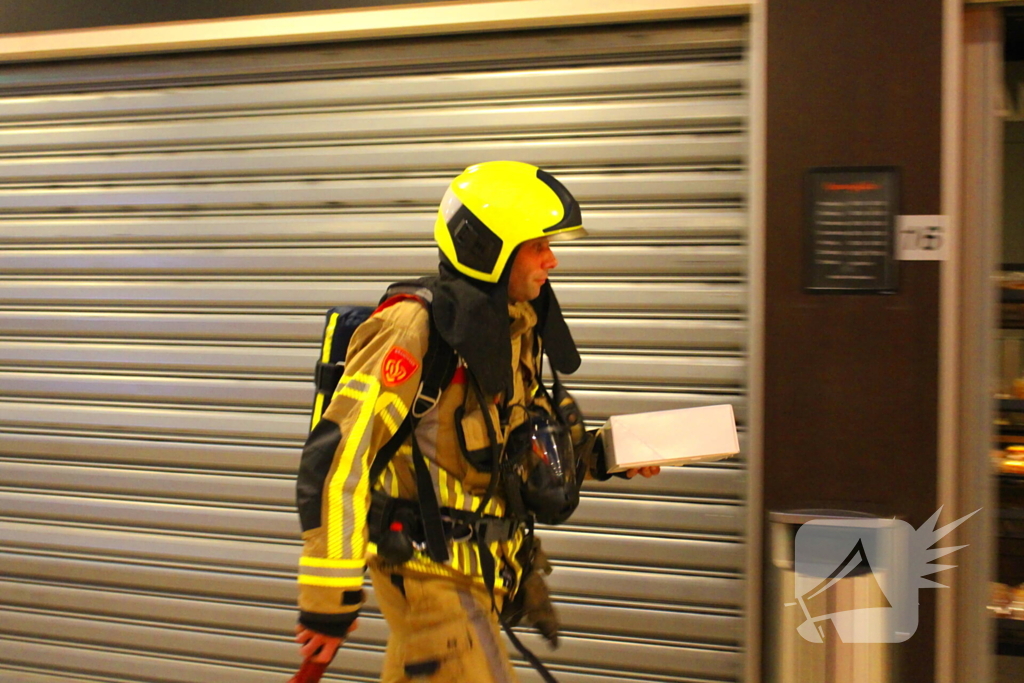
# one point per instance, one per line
(493, 207)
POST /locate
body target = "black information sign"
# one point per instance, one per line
(851, 217)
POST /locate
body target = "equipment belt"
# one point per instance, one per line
(468, 525)
(458, 525)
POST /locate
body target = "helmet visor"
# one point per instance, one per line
(569, 234)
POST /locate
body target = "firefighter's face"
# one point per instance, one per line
(530, 269)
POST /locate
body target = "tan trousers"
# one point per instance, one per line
(441, 631)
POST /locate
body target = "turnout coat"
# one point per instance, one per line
(382, 376)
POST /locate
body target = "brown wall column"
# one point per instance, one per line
(851, 381)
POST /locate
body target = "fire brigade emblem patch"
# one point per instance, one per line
(398, 366)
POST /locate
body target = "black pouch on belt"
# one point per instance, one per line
(532, 601)
(393, 524)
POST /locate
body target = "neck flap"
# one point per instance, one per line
(473, 317)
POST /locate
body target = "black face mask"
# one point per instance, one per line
(543, 452)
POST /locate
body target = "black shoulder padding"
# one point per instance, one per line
(317, 456)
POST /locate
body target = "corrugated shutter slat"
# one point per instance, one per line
(174, 228)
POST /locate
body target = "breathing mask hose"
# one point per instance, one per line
(530, 657)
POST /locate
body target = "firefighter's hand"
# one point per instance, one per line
(647, 472)
(317, 646)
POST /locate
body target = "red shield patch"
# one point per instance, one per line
(398, 366)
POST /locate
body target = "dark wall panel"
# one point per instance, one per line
(852, 380)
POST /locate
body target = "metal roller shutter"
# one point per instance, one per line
(173, 229)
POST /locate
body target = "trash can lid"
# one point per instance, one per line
(804, 516)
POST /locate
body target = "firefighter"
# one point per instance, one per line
(492, 304)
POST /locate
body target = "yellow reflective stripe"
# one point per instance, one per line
(381, 410)
(392, 409)
(460, 499)
(494, 508)
(393, 473)
(395, 400)
(459, 496)
(325, 357)
(455, 560)
(474, 552)
(472, 560)
(329, 337)
(349, 392)
(331, 581)
(318, 408)
(362, 491)
(497, 563)
(335, 492)
(427, 566)
(421, 563)
(442, 487)
(331, 563)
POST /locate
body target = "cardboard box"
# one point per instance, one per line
(670, 437)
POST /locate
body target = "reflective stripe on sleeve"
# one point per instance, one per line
(332, 573)
(356, 387)
(322, 571)
(328, 563)
(391, 410)
(331, 581)
(343, 520)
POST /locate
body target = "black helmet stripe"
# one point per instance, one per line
(571, 217)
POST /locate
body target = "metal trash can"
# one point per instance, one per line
(837, 598)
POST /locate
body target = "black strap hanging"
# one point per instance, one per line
(492, 437)
(430, 511)
(388, 450)
(529, 656)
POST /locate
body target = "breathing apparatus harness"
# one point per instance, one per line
(535, 467)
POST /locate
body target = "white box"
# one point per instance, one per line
(670, 437)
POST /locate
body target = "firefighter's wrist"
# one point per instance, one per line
(335, 625)
(598, 465)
